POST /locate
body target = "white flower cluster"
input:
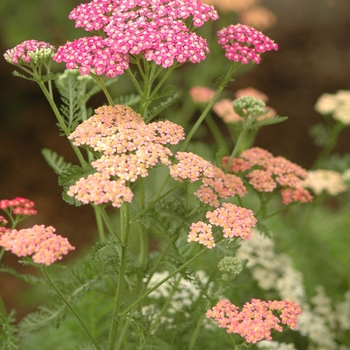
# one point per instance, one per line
(272, 271)
(337, 104)
(325, 180)
(272, 345)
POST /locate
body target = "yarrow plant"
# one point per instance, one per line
(140, 171)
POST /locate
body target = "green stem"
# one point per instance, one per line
(209, 105)
(165, 306)
(2, 253)
(195, 333)
(143, 233)
(111, 229)
(61, 121)
(99, 222)
(103, 88)
(70, 306)
(236, 149)
(189, 262)
(125, 230)
(219, 138)
(331, 143)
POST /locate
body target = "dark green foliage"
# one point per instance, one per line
(55, 161)
(8, 330)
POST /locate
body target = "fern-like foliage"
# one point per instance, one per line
(91, 274)
(8, 331)
(127, 100)
(55, 161)
(69, 177)
(72, 94)
(24, 277)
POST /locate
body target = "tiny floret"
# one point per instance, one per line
(39, 241)
(30, 51)
(244, 44)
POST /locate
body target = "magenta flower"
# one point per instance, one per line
(154, 29)
(257, 318)
(19, 206)
(243, 43)
(29, 51)
(39, 241)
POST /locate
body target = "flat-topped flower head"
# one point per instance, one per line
(256, 319)
(128, 148)
(244, 44)
(92, 55)
(266, 173)
(39, 241)
(30, 51)
(191, 167)
(220, 186)
(155, 29)
(18, 206)
(325, 180)
(201, 94)
(98, 189)
(201, 233)
(234, 221)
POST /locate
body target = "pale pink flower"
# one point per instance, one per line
(3, 221)
(98, 189)
(244, 44)
(224, 110)
(29, 51)
(233, 220)
(191, 167)
(201, 232)
(250, 91)
(128, 148)
(256, 319)
(19, 206)
(258, 17)
(201, 94)
(230, 5)
(220, 186)
(267, 173)
(39, 241)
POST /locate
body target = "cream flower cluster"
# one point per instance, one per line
(338, 105)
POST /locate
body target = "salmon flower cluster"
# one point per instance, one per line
(256, 319)
(128, 147)
(39, 241)
(234, 222)
(266, 173)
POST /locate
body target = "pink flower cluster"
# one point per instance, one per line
(244, 44)
(29, 50)
(267, 173)
(191, 167)
(19, 206)
(233, 220)
(128, 148)
(155, 29)
(256, 319)
(39, 241)
(221, 185)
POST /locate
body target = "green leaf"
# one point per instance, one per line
(127, 100)
(55, 161)
(163, 105)
(268, 121)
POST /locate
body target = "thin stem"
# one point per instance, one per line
(125, 230)
(99, 223)
(219, 138)
(111, 229)
(104, 89)
(209, 105)
(143, 233)
(189, 262)
(61, 121)
(165, 306)
(236, 148)
(70, 306)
